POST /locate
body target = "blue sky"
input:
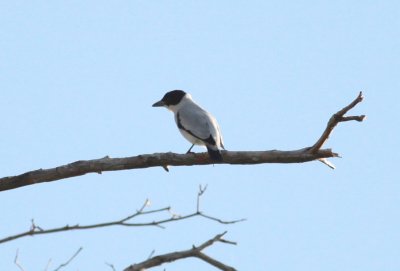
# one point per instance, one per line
(78, 80)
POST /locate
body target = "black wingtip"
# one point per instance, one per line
(215, 155)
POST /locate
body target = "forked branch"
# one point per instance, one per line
(164, 160)
(195, 252)
(335, 119)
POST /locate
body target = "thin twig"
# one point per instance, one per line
(151, 254)
(126, 222)
(16, 261)
(70, 260)
(195, 252)
(111, 266)
(48, 265)
(199, 194)
(34, 226)
(222, 221)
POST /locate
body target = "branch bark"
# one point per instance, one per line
(164, 160)
(195, 252)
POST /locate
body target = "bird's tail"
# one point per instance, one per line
(214, 154)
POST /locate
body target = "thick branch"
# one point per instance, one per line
(195, 252)
(158, 160)
(164, 160)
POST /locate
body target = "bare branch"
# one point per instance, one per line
(221, 221)
(335, 119)
(126, 222)
(48, 265)
(70, 260)
(164, 160)
(16, 261)
(214, 262)
(158, 160)
(34, 226)
(199, 194)
(195, 252)
(151, 254)
(111, 266)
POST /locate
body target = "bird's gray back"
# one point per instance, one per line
(198, 121)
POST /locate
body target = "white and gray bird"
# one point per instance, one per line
(197, 125)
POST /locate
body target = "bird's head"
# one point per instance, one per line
(171, 99)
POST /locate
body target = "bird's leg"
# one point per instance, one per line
(189, 151)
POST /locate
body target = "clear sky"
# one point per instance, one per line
(77, 81)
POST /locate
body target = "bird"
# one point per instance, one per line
(197, 125)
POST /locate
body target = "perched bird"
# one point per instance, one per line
(197, 125)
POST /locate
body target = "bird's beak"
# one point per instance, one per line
(158, 104)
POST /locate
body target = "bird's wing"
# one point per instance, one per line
(199, 123)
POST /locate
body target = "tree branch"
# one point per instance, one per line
(195, 252)
(164, 160)
(63, 265)
(69, 260)
(126, 222)
(335, 119)
(157, 160)
(16, 262)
